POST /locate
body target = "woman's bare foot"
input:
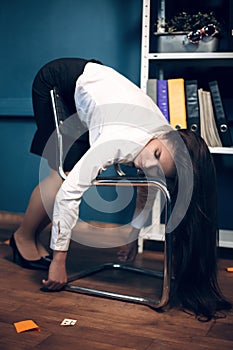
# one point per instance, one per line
(128, 252)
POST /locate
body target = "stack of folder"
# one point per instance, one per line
(185, 105)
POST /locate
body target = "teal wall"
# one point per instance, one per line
(19, 169)
(35, 32)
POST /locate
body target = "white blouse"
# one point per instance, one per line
(121, 120)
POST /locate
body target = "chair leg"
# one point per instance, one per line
(167, 263)
(107, 294)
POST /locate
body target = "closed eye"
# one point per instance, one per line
(157, 154)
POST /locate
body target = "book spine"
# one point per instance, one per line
(176, 99)
(151, 89)
(162, 97)
(220, 115)
(201, 112)
(211, 123)
(192, 105)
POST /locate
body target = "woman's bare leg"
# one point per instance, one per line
(37, 216)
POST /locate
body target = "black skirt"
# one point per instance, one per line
(61, 73)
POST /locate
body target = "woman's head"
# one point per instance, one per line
(155, 155)
(182, 159)
(193, 166)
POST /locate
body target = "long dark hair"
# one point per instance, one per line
(195, 238)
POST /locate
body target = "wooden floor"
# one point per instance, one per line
(101, 323)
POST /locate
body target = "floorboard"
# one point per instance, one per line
(102, 323)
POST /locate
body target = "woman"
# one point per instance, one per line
(125, 126)
(62, 74)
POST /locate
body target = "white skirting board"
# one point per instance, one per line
(156, 233)
(226, 238)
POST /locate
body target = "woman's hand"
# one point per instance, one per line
(57, 276)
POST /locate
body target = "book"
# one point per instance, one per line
(162, 97)
(208, 128)
(220, 116)
(177, 106)
(151, 89)
(192, 105)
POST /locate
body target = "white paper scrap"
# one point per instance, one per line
(68, 322)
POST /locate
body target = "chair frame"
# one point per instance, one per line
(121, 179)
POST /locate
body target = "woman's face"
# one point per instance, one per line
(156, 156)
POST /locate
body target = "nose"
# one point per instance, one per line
(150, 162)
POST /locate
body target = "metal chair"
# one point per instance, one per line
(121, 179)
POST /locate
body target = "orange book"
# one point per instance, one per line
(176, 100)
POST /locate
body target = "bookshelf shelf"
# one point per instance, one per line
(191, 56)
(221, 150)
(209, 59)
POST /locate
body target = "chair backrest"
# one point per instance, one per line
(60, 113)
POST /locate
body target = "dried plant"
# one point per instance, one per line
(185, 22)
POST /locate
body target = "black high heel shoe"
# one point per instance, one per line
(41, 264)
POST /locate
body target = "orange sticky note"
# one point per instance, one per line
(7, 242)
(26, 325)
(229, 269)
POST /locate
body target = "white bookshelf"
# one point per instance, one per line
(156, 231)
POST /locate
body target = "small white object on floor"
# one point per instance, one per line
(68, 322)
